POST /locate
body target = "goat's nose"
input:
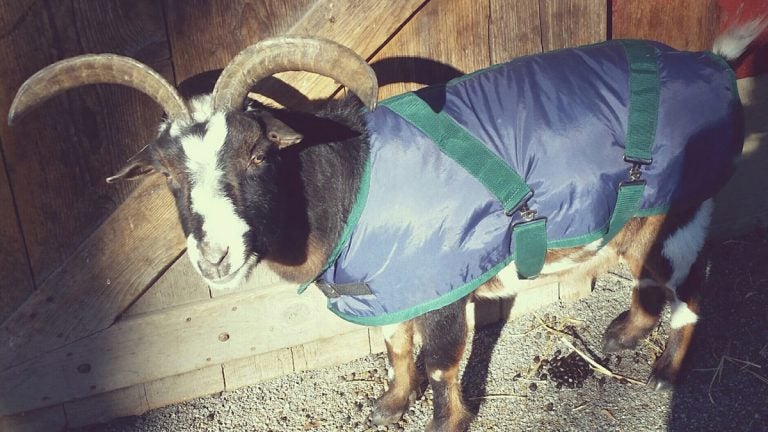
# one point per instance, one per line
(214, 254)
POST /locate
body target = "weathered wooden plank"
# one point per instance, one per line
(201, 31)
(16, 282)
(106, 406)
(179, 285)
(569, 23)
(60, 155)
(251, 370)
(682, 24)
(178, 340)
(331, 351)
(182, 387)
(50, 419)
(376, 340)
(100, 280)
(515, 29)
(457, 40)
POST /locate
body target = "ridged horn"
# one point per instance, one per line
(96, 69)
(294, 53)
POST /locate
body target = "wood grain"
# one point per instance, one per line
(100, 280)
(571, 23)
(458, 38)
(515, 29)
(682, 24)
(251, 370)
(331, 351)
(59, 156)
(106, 406)
(175, 341)
(179, 285)
(182, 387)
(16, 281)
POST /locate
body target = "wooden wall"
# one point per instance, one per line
(101, 314)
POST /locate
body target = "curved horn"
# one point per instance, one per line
(294, 53)
(96, 69)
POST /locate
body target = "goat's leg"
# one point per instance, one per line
(404, 385)
(682, 325)
(444, 334)
(626, 330)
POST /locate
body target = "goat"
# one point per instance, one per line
(254, 184)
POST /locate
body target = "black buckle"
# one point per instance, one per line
(327, 289)
(523, 203)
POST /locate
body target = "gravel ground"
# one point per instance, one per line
(724, 384)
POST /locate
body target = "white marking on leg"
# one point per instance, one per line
(436, 375)
(646, 283)
(682, 315)
(684, 245)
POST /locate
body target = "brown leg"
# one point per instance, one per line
(626, 330)
(444, 333)
(403, 380)
(667, 367)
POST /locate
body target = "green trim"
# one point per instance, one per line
(627, 203)
(490, 170)
(429, 306)
(349, 227)
(644, 89)
(466, 289)
(531, 240)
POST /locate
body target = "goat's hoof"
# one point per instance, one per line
(618, 336)
(663, 376)
(659, 382)
(387, 411)
(459, 423)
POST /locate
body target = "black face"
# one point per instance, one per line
(223, 173)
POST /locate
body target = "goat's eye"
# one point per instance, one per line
(257, 159)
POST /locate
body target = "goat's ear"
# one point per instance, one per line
(280, 133)
(137, 166)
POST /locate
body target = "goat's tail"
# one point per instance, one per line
(732, 43)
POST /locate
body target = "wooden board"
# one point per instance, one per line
(16, 283)
(51, 419)
(106, 406)
(251, 370)
(515, 29)
(682, 24)
(102, 278)
(178, 340)
(182, 387)
(571, 23)
(457, 44)
(179, 285)
(331, 351)
(59, 156)
(201, 31)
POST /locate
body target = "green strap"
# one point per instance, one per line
(627, 203)
(530, 247)
(644, 91)
(490, 170)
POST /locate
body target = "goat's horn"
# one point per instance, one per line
(96, 69)
(294, 53)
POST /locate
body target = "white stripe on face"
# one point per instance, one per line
(221, 225)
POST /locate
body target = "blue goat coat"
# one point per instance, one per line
(424, 232)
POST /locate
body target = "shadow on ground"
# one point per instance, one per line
(725, 386)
